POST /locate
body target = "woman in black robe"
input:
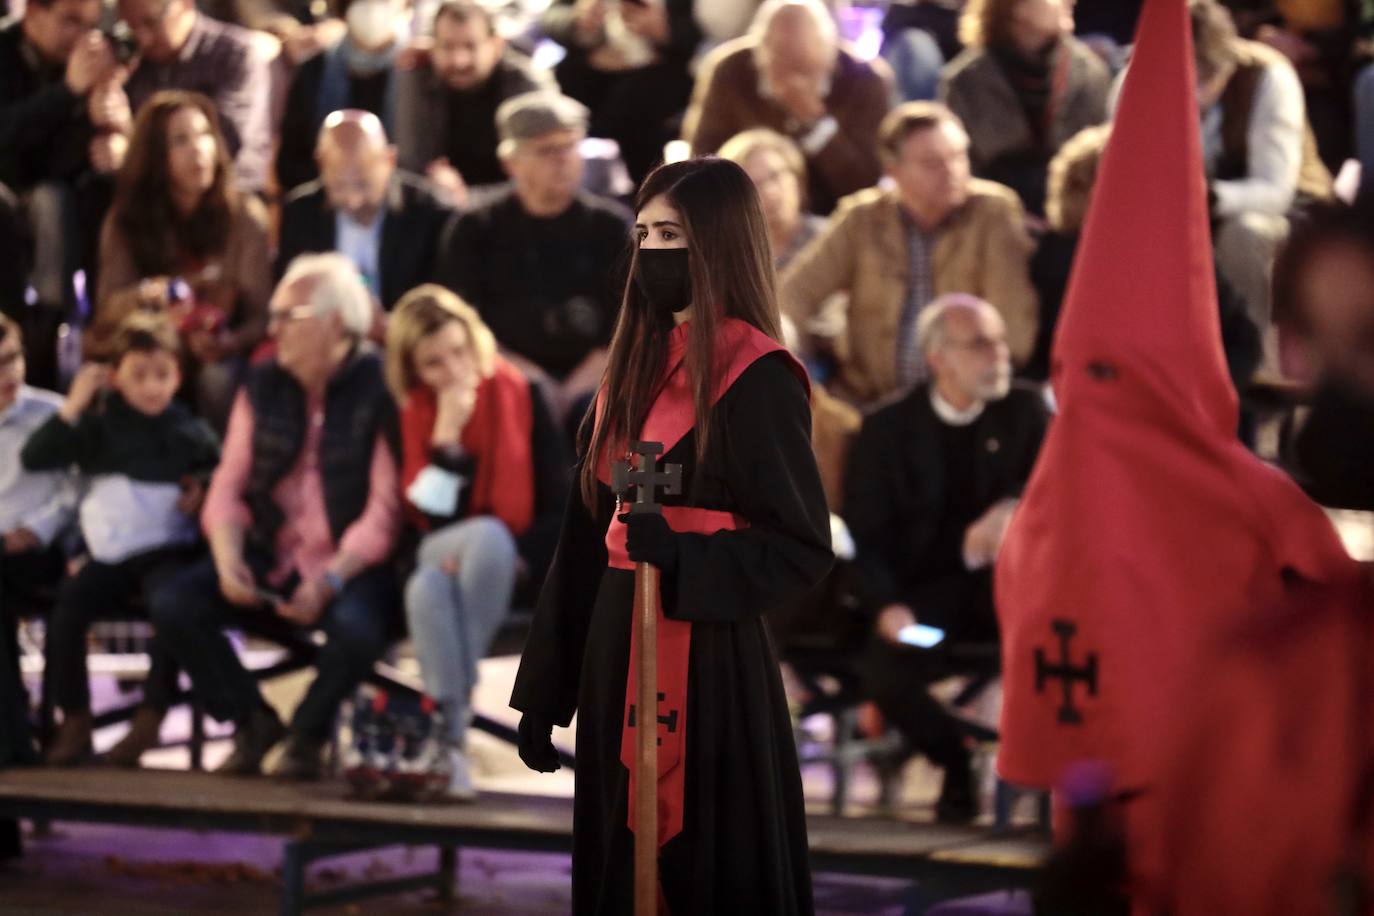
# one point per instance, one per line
(702, 269)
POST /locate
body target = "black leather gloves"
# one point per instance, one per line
(648, 539)
(536, 743)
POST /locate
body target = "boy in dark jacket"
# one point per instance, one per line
(143, 458)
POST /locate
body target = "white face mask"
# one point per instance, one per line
(371, 23)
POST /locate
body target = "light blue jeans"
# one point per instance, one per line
(454, 617)
(916, 61)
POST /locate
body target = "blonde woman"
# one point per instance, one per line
(483, 473)
(774, 163)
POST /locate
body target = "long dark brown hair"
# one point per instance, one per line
(732, 276)
(157, 235)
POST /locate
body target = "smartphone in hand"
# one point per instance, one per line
(921, 636)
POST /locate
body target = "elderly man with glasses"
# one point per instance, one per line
(302, 517)
(932, 481)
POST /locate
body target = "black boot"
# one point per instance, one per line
(144, 734)
(252, 741)
(300, 760)
(72, 744)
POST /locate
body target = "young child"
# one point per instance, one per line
(143, 458)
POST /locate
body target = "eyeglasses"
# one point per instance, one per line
(980, 344)
(278, 317)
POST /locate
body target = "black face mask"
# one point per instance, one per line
(664, 277)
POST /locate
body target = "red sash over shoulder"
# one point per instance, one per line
(672, 416)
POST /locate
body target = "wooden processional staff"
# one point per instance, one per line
(645, 480)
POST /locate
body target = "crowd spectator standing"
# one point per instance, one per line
(180, 47)
(144, 460)
(936, 231)
(1022, 88)
(357, 72)
(183, 238)
(302, 516)
(64, 121)
(791, 74)
(386, 220)
(628, 62)
(446, 106)
(484, 470)
(541, 260)
(932, 481)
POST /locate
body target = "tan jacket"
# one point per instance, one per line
(983, 250)
(239, 282)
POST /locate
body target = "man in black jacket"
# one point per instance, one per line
(932, 481)
(387, 221)
(446, 106)
(541, 260)
(64, 122)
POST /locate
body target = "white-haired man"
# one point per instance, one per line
(791, 73)
(931, 483)
(302, 517)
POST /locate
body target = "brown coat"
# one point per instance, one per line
(983, 249)
(727, 101)
(240, 282)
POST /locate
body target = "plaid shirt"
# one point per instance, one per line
(920, 290)
(220, 61)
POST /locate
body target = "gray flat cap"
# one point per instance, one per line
(534, 114)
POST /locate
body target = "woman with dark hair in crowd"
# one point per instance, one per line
(695, 364)
(182, 238)
(485, 479)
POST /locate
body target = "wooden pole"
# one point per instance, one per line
(646, 739)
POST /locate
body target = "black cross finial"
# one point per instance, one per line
(1065, 672)
(670, 720)
(645, 479)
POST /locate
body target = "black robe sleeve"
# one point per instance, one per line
(770, 472)
(551, 459)
(551, 665)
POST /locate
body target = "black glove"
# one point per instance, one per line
(536, 743)
(648, 539)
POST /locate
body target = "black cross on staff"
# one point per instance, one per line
(1066, 673)
(646, 479)
(669, 720)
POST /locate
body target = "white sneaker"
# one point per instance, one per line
(460, 787)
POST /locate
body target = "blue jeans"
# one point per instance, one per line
(454, 616)
(916, 61)
(190, 615)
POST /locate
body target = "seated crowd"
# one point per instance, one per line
(343, 283)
